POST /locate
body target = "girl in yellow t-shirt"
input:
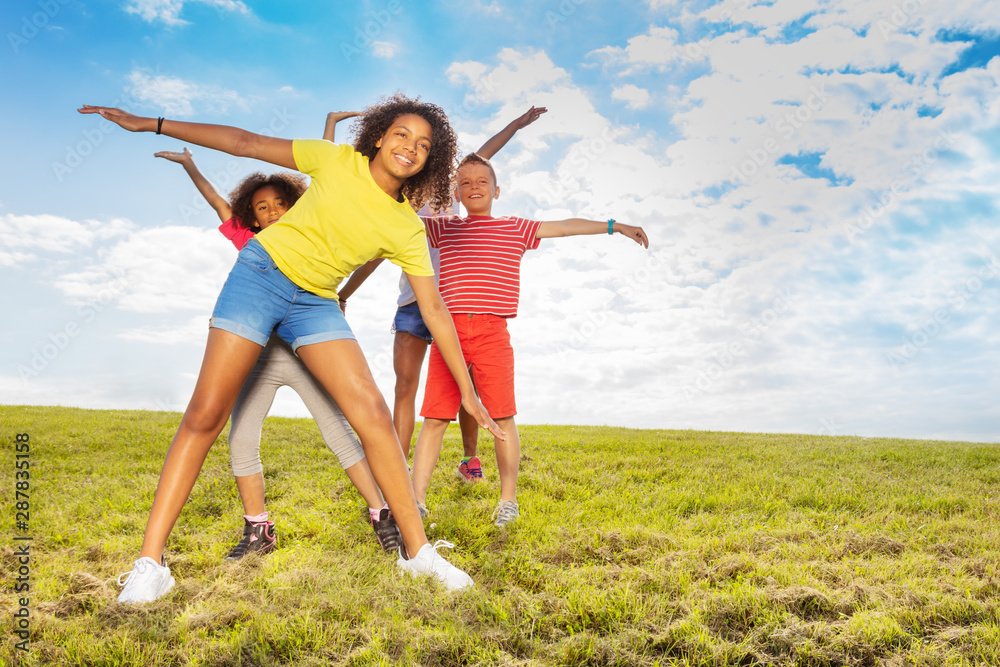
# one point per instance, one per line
(257, 202)
(285, 280)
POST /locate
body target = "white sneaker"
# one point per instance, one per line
(429, 561)
(145, 582)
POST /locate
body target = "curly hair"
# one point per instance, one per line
(432, 185)
(289, 186)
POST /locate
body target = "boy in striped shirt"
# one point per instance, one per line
(480, 284)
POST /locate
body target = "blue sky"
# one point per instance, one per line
(819, 181)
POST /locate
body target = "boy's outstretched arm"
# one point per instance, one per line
(500, 139)
(332, 119)
(207, 190)
(225, 138)
(438, 320)
(579, 226)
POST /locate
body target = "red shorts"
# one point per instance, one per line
(486, 348)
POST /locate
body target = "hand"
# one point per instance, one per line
(123, 119)
(184, 158)
(475, 408)
(634, 233)
(529, 117)
(343, 306)
(337, 116)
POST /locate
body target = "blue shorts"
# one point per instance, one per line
(258, 299)
(408, 320)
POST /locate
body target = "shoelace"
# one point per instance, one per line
(141, 567)
(470, 471)
(435, 546)
(442, 543)
(505, 511)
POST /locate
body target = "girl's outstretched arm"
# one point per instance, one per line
(225, 138)
(500, 139)
(332, 119)
(207, 190)
(579, 226)
(438, 320)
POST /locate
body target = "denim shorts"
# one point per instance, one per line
(408, 320)
(258, 299)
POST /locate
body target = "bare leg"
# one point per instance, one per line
(361, 476)
(427, 454)
(408, 354)
(470, 433)
(508, 458)
(340, 366)
(228, 360)
(251, 488)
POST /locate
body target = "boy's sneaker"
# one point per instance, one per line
(424, 512)
(386, 531)
(258, 537)
(471, 470)
(145, 582)
(429, 561)
(505, 513)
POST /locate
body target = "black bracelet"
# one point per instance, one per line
(159, 124)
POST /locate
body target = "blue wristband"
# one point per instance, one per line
(611, 226)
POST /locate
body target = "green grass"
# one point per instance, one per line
(635, 547)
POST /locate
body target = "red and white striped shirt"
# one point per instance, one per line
(481, 261)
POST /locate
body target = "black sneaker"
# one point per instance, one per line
(387, 532)
(258, 537)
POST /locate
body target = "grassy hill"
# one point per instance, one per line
(635, 547)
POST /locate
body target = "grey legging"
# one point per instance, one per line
(278, 367)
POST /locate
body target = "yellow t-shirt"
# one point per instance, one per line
(342, 221)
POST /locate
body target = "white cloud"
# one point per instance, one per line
(143, 270)
(634, 96)
(25, 238)
(159, 270)
(192, 332)
(169, 11)
(724, 246)
(517, 75)
(178, 97)
(657, 50)
(385, 50)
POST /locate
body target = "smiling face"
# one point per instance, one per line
(268, 206)
(476, 188)
(404, 148)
